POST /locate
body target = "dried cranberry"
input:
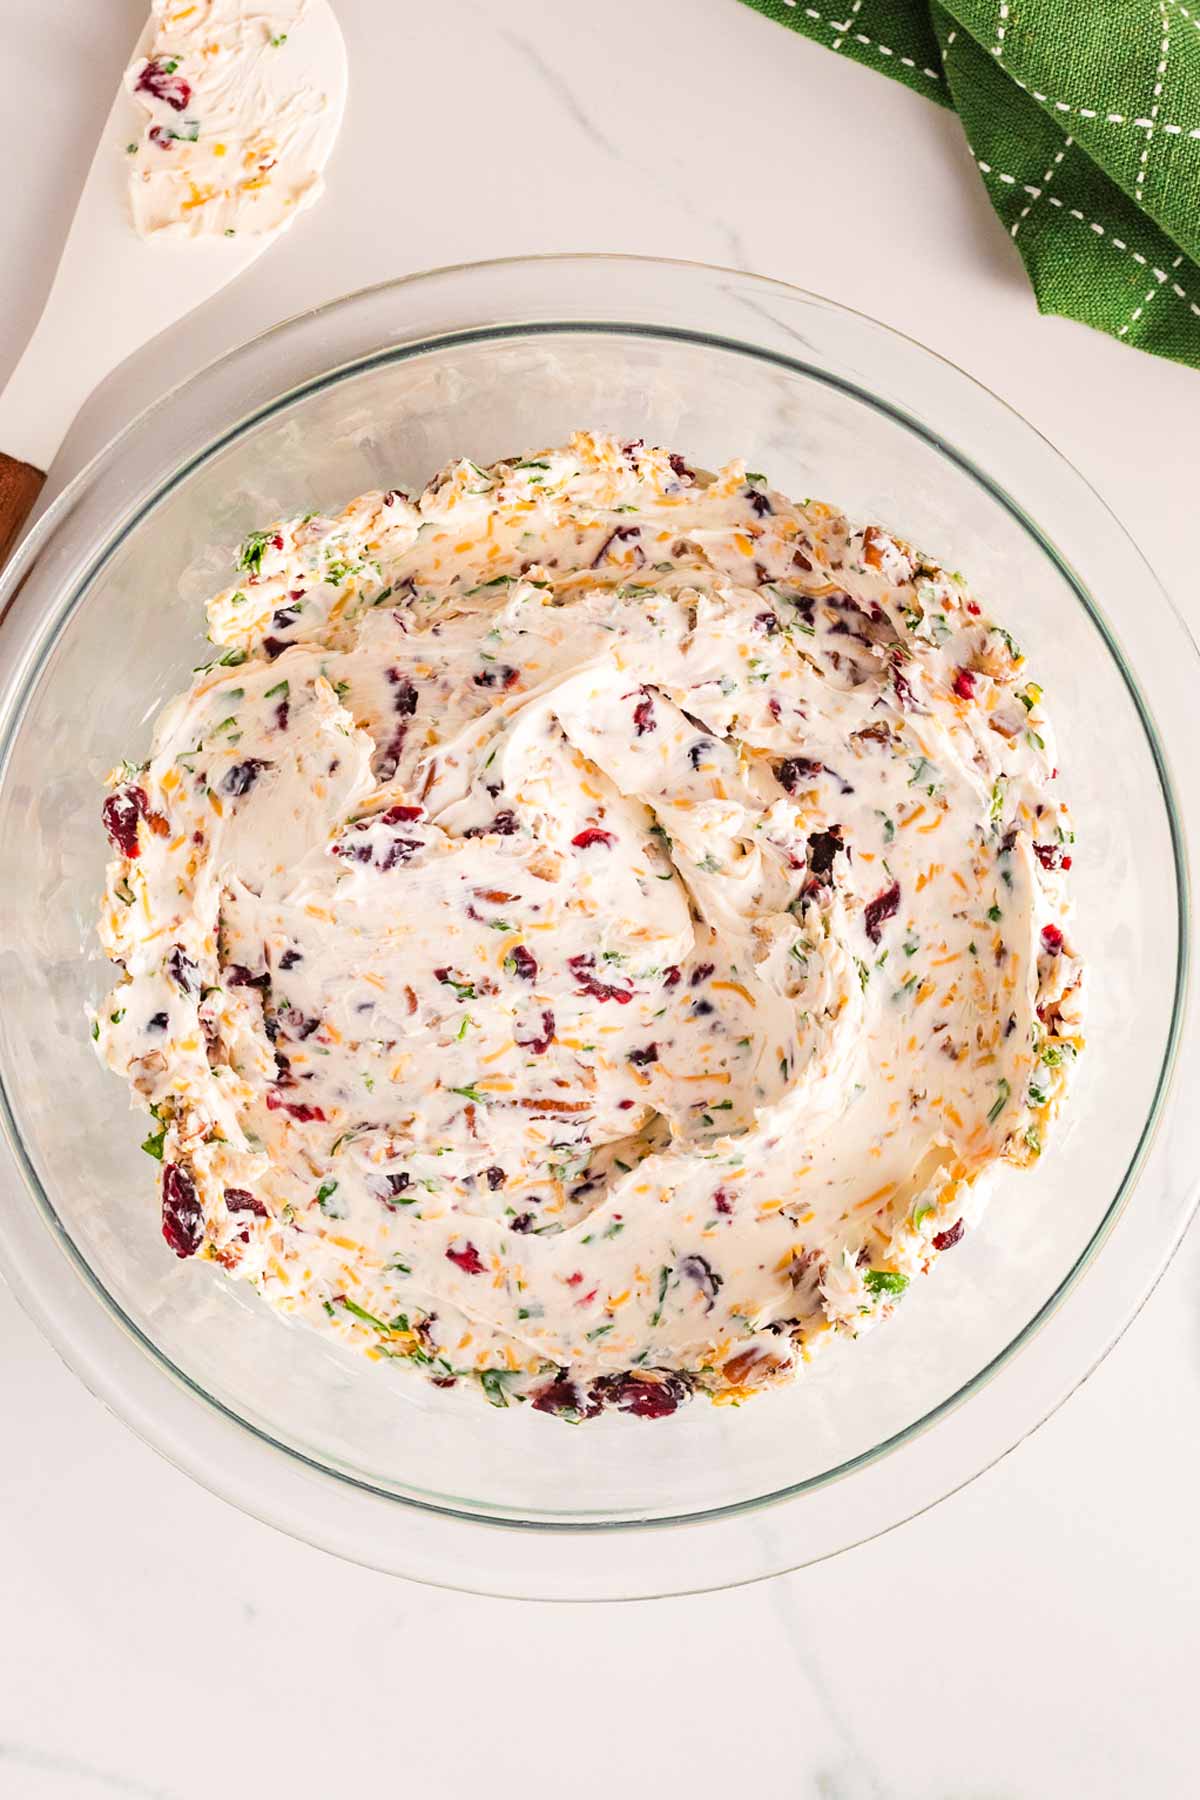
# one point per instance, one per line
(672, 976)
(404, 701)
(700, 973)
(242, 776)
(503, 825)
(624, 534)
(583, 840)
(905, 697)
(298, 1024)
(164, 84)
(397, 1183)
(499, 675)
(794, 771)
(121, 812)
(289, 959)
(680, 467)
(722, 1201)
(540, 1043)
(282, 714)
(522, 962)
(157, 1022)
(1052, 939)
(522, 1223)
(643, 1397)
(399, 851)
(299, 1111)
(563, 1396)
(354, 850)
(641, 1058)
(182, 970)
(494, 1177)
(238, 976)
(467, 1259)
(946, 1240)
(701, 1271)
(884, 906)
(242, 1200)
(402, 815)
(766, 622)
(643, 716)
(1052, 856)
(758, 501)
(964, 684)
(823, 846)
(581, 967)
(182, 1217)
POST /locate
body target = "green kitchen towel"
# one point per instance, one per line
(1083, 117)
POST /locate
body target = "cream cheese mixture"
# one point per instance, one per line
(591, 927)
(230, 145)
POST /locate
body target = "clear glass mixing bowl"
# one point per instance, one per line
(102, 622)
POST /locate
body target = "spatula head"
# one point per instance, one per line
(115, 289)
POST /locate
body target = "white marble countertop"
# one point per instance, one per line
(1035, 1634)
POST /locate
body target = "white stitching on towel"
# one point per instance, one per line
(1159, 76)
(1047, 178)
(850, 18)
(843, 26)
(1160, 280)
(1160, 275)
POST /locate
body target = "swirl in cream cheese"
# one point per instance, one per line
(592, 927)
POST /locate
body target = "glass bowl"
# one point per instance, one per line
(102, 623)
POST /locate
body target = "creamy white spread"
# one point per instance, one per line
(591, 928)
(231, 144)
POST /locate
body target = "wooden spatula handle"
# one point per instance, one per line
(20, 485)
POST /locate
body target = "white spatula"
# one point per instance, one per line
(115, 290)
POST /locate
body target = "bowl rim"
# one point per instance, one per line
(39, 635)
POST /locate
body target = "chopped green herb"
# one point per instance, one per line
(359, 1312)
(664, 1276)
(153, 1145)
(253, 550)
(1003, 1092)
(884, 1281)
(492, 1383)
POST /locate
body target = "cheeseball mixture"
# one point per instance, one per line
(590, 928)
(232, 145)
